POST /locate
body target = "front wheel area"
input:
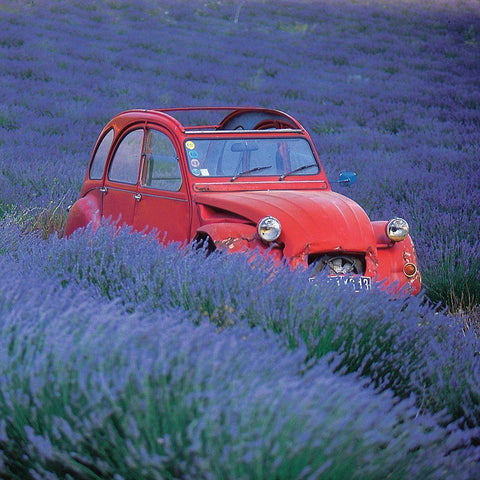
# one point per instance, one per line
(203, 242)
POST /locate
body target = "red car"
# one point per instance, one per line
(251, 180)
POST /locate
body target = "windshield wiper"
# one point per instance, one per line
(251, 170)
(298, 169)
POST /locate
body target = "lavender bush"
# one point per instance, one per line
(90, 391)
(389, 89)
(405, 346)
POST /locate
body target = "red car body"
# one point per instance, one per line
(252, 180)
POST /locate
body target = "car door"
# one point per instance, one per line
(163, 203)
(120, 187)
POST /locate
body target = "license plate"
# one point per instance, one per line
(358, 284)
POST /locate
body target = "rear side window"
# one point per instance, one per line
(98, 164)
(126, 160)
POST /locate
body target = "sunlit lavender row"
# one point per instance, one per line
(124, 359)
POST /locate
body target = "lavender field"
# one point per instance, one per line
(124, 359)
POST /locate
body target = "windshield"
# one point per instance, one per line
(236, 157)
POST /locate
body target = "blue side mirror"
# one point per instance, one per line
(345, 179)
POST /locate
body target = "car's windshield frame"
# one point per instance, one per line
(235, 156)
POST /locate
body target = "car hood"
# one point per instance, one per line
(312, 221)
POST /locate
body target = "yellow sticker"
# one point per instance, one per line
(190, 145)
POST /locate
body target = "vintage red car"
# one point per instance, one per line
(250, 179)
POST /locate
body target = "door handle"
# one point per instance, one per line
(103, 189)
(137, 197)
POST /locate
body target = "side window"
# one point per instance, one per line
(126, 160)
(162, 169)
(98, 164)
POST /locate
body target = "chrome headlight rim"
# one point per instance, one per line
(397, 229)
(269, 229)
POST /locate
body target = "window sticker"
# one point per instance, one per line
(190, 145)
(196, 172)
(193, 154)
(194, 163)
(204, 172)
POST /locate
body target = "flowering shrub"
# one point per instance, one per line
(90, 391)
(403, 346)
(104, 374)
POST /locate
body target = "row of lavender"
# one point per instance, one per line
(390, 90)
(182, 366)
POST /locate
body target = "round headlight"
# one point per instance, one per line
(269, 229)
(397, 229)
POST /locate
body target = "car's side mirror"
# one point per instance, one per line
(345, 179)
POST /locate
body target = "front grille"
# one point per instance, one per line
(337, 263)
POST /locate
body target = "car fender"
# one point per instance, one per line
(83, 212)
(233, 237)
(392, 258)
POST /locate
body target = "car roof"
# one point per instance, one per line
(219, 119)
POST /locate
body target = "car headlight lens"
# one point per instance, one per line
(269, 229)
(397, 229)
